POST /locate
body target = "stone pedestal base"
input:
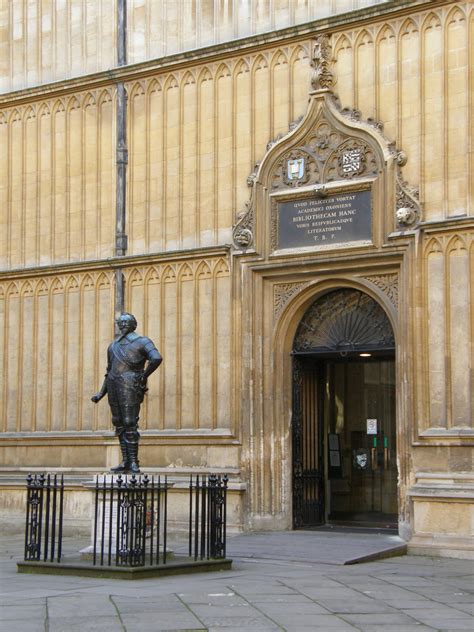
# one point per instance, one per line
(106, 524)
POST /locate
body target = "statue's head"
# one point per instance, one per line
(126, 322)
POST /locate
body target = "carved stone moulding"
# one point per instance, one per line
(388, 284)
(283, 293)
(242, 232)
(243, 237)
(322, 75)
(408, 208)
(327, 155)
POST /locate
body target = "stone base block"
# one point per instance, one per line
(117, 572)
(443, 515)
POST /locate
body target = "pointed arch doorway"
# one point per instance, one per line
(344, 430)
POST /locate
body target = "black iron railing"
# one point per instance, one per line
(44, 517)
(130, 519)
(207, 517)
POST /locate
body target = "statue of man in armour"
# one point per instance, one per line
(126, 384)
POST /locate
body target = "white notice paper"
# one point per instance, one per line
(371, 426)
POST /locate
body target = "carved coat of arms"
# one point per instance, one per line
(351, 161)
(295, 169)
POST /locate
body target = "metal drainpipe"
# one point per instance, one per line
(121, 240)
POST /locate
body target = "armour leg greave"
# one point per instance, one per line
(132, 437)
(124, 466)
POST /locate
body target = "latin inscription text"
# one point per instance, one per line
(340, 218)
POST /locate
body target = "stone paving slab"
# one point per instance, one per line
(256, 628)
(18, 611)
(319, 622)
(85, 624)
(316, 546)
(279, 610)
(417, 627)
(468, 608)
(23, 625)
(179, 620)
(405, 594)
(457, 625)
(77, 604)
(356, 606)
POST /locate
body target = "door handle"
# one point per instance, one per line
(373, 454)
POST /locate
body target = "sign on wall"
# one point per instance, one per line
(340, 218)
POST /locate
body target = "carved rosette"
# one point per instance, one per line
(283, 293)
(324, 141)
(388, 284)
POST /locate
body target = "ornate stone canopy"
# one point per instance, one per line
(329, 146)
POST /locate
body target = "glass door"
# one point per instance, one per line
(359, 415)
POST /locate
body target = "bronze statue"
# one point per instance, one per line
(126, 384)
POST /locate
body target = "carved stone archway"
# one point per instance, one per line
(341, 321)
(329, 152)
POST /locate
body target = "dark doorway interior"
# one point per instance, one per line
(346, 447)
(344, 430)
(359, 410)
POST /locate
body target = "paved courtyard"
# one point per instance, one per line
(276, 592)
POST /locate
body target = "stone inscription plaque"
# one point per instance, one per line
(340, 218)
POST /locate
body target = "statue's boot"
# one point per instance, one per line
(125, 465)
(134, 468)
(134, 465)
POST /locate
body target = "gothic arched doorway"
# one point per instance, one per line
(344, 431)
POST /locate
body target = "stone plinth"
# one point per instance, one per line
(111, 493)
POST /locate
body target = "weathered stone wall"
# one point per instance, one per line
(56, 329)
(197, 124)
(42, 42)
(195, 134)
(412, 73)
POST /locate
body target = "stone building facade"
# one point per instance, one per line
(299, 191)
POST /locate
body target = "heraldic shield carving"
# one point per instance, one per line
(329, 152)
